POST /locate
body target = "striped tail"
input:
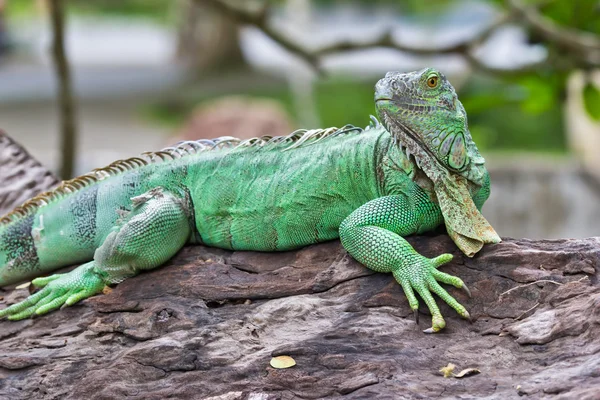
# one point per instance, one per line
(21, 177)
(18, 256)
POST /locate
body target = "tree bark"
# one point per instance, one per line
(22, 176)
(206, 325)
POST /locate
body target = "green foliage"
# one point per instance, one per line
(591, 101)
(355, 109)
(173, 111)
(157, 10)
(497, 118)
(522, 114)
(580, 14)
(342, 101)
(508, 128)
(122, 7)
(541, 94)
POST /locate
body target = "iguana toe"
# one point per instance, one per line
(437, 324)
(57, 290)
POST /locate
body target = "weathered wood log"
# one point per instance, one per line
(21, 176)
(206, 325)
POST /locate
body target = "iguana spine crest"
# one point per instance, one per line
(295, 139)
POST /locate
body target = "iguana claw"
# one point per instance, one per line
(466, 290)
(422, 276)
(467, 316)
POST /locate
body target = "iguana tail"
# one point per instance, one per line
(18, 256)
(21, 177)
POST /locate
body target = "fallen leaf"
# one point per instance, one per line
(23, 285)
(282, 362)
(447, 370)
(467, 372)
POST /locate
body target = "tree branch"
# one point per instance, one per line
(387, 40)
(464, 48)
(551, 32)
(259, 20)
(578, 42)
(68, 134)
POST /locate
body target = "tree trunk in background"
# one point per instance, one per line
(68, 134)
(207, 39)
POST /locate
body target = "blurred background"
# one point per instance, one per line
(138, 75)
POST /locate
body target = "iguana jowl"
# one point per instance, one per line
(368, 187)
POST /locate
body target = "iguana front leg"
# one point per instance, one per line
(155, 229)
(372, 234)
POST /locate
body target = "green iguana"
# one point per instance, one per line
(418, 169)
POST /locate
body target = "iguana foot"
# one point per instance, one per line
(58, 290)
(422, 275)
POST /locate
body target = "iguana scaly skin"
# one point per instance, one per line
(368, 187)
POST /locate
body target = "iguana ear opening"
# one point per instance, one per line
(457, 158)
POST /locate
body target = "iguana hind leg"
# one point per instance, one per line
(372, 234)
(155, 229)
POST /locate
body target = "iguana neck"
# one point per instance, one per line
(459, 198)
(395, 159)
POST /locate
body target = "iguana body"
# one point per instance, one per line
(268, 194)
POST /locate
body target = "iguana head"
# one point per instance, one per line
(421, 109)
(422, 112)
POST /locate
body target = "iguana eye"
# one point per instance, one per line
(432, 81)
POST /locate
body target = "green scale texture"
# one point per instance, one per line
(359, 185)
(252, 199)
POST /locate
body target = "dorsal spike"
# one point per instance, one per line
(296, 139)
